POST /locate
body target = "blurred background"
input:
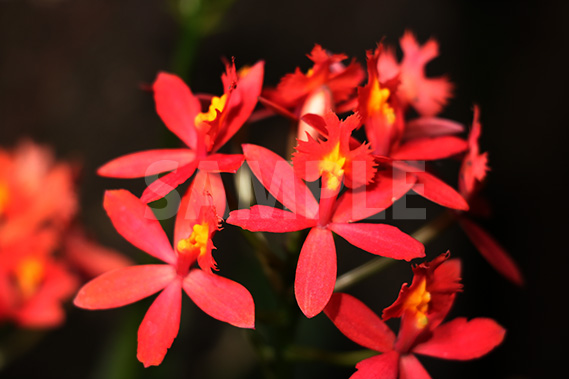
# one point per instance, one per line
(71, 74)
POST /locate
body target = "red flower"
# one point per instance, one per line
(219, 297)
(426, 95)
(422, 306)
(472, 173)
(326, 86)
(316, 268)
(203, 132)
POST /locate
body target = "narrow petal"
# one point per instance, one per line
(491, 250)
(411, 368)
(160, 325)
(146, 163)
(315, 272)
(221, 298)
(380, 239)
(463, 340)
(166, 184)
(261, 218)
(136, 222)
(431, 127)
(177, 107)
(206, 190)
(388, 187)
(124, 286)
(357, 322)
(222, 163)
(278, 177)
(427, 149)
(383, 366)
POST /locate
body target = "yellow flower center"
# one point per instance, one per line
(217, 104)
(309, 73)
(29, 274)
(377, 102)
(4, 197)
(418, 301)
(197, 240)
(332, 168)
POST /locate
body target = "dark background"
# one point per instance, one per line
(70, 76)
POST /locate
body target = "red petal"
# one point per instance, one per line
(160, 325)
(491, 250)
(124, 286)
(315, 272)
(136, 222)
(411, 368)
(177, 107)
(145, 163)
(434, 189)
(206, 190)
(431, 127)
(221, 298)
(427, 149)
(364, 202)
(261, 218)
(222, 163)
(384, 366)
(380, 239)
(357, 322)
(278, 177)
(166, 184)
(246, 93)
(462, 340)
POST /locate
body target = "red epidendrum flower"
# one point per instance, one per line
(422, 308)
(204, 133)
(196, 223)
(332, 160)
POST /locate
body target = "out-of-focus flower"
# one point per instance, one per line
(472, 174)
(422, 307)
(203, 132)
(426, 95)
(219, 297)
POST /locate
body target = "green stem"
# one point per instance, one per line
(307, 354)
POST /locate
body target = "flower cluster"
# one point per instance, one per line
(44, 254)
(397, 110)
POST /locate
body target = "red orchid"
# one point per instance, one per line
(203, 132)
(386, 130)
(219, 297)
(316, 268)
(422, 307)
(327, 85)
(426, 95)
(472, 174)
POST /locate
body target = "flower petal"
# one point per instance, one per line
(380, 239)
(177, 107)
(278, 177)
(145, 163)
(491, 250)
(357, 322)
(427, 149)
(388, 187)
(222, 163)
(315, 272)
(411, 368)
(261, 218)
(136, 222)
(221, 298)
(462, 340)
(383, 366)
(166, 184)
(431, 127)
(160, 325)
(124, 286)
